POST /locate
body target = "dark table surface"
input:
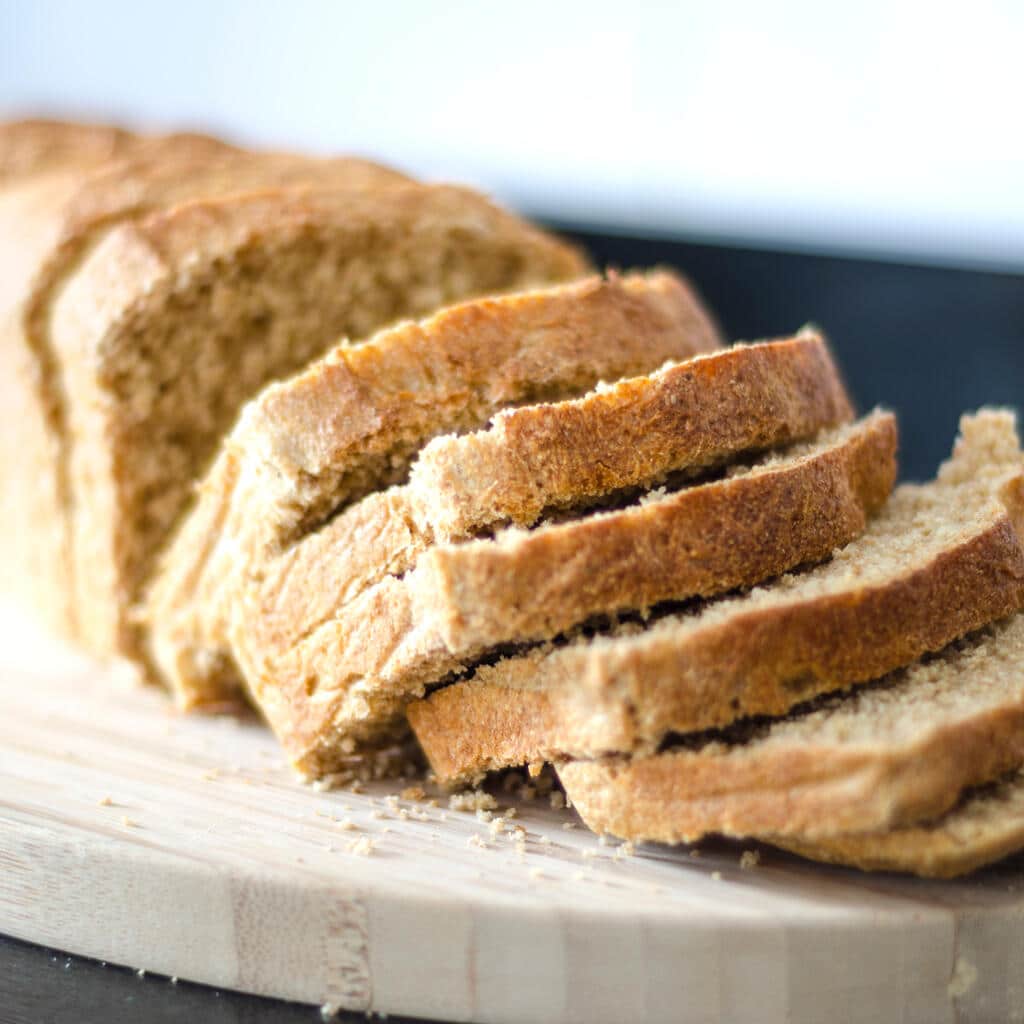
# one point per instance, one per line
(927, 342)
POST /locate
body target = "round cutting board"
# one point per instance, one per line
(184, 846)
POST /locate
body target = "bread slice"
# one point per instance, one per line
(348, 678)
(165, 291)
(888, 755)
(986, 826)
(939, 561)
(308, 449)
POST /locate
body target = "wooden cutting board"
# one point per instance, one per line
(185, 847)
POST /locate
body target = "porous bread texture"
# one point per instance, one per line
(49, 227)
(349, 677)
(885, 756)
(352, 422)
(986, 826)
(940, 560)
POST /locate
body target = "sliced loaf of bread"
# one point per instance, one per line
(986, 826)
(940, 560)
(309, 449)
(149, 299)
(348, 678)
(554, 460)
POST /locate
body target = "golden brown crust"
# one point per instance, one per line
(692, 415)
(358, 416)
(462, 600)
(985, 827)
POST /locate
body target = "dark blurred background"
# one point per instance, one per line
(927, 341)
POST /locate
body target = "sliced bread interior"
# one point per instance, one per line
(462, 603)
(310, 447)
(940, 560)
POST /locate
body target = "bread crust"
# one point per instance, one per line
(692, 415)
(985, 827)
(361, 414)
(463, 600)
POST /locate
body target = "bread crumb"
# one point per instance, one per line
(413, 793)
(543, 840)
(749, 859)
(965, 974)
(392, 802)
(129, 822)
(378, 814)
(716, 875)
(536, 873)
(141, 972)
(174, 979)
(534, 768)
(105, 801)
(403, 814)
(557, 799)
(483, 815)
(695, 854)
(568, 825)
(347, 825)
(497, 824)
(511, 812)
(472, 800)
(626, 849)
(362, 847)
(433, 802)
(329, 1011)
(477, 841)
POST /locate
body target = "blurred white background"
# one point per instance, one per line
(890, 128)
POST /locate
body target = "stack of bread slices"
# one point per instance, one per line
(555, 519)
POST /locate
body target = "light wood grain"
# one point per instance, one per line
(212, 863)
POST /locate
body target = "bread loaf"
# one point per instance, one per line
(308, 449)
(146, 300)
